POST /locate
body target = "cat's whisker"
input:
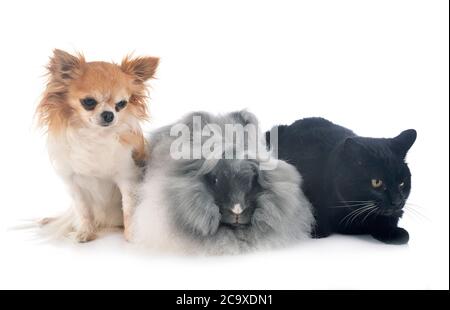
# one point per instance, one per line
(354, 213)
(413, 217)
(366, 211)
(353, 217)
(374, 210)
(350, 205)
(409, 208)
(350, 214)
(414, 204)
(343, 219)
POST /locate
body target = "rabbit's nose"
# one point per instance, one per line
(237, 209)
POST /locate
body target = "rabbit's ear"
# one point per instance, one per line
(254, 165)
(195, 122)
(280, 198)
(193, 207)
(244, 117)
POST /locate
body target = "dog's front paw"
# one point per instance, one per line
(127, 229)
(396, 235)
(83, 236)
(127, 233)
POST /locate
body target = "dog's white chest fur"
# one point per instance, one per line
(97, 154)
(101, 175)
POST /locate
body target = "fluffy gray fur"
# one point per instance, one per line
(178, 211)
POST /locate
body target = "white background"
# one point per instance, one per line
(377, 67)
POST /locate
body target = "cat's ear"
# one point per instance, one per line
(403, 142)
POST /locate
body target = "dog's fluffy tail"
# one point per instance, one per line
(51, 227)
(57, 227)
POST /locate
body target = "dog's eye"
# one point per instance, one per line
(88, 103)
(401, 185)
(120, 105)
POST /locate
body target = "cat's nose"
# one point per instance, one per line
(397, 202)
(237, 209)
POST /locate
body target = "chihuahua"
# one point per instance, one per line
(92, 113)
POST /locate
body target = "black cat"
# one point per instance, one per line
(357, 185)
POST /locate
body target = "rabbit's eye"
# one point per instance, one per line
(213, 180)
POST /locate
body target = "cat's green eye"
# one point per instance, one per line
(376, 183)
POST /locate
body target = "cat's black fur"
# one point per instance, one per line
(338, 168)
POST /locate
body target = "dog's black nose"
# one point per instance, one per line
(107, 116)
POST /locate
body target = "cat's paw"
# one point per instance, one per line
(83, 236)
(396, 235)
(320, 232)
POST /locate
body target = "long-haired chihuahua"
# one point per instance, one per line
(92, 113)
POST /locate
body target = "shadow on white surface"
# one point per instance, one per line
(337, 262)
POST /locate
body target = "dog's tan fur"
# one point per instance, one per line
(96, 160)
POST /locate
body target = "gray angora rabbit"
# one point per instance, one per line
(217, 203)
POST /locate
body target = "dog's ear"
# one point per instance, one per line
(64, 66)
(141, 68)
